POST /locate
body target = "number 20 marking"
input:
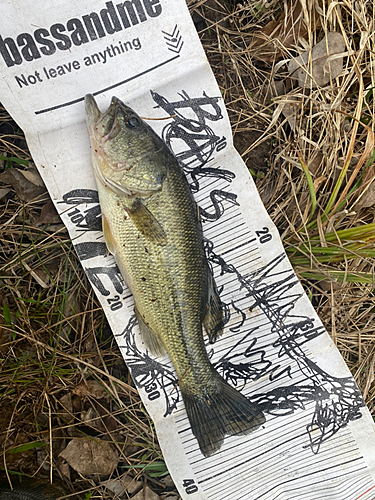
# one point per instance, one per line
(115, 303)
(264, 235)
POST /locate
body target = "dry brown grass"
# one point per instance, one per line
(53, 335)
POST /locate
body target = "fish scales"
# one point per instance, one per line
(163, 277)
(151, 225)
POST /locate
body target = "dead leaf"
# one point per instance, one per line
(48, 214)
(67, 412)
(328, 286)
(5, 339)
(146, 494)
(114, 486)
(315, 162)
(288, 105)
(32, 175)
(269, 43)
(366, 193)
(89, 415)
(91, 457)
(72, 305)
(315, 68)
(167, 480)
(319, 181)
(22, 181)
(42, 459)
(63, 467)
(130, 484)
(290, 110)
(123, 485)
(108, 422)
(71, 313)
(93, 419)
(90, 388)
(4, 192)
(40, 276)
(25, 459)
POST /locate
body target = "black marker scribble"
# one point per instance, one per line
(194, 144)
(84, 220)
(337, 400)
(110, 272)
(77, 196)
(203, 172)
(237, 327)
(215, 258)
(238, 373)
(340, 406)
(90, 249)
(217, 196)
(199, 139)
(149, 374)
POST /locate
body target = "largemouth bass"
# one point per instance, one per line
(151, 225)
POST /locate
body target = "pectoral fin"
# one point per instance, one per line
(151, 340)
(213, 321)
(146, 223)
(109, 241)
(139, 214)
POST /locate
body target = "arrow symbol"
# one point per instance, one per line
(174, 40)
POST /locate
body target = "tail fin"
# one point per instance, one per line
(218, 412)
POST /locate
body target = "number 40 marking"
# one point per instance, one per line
(190, 486)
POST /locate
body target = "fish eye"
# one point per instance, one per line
(133, 122)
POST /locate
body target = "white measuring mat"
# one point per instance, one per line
(318, 440)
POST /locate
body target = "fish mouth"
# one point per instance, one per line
(93, 113)
(105, 125)
(100, 124)
(120, 106)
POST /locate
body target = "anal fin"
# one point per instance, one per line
(213, 320)
(153, 343)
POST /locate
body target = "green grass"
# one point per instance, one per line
(308, 247)
(9, 160)
(153, 469)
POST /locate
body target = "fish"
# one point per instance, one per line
(151, 225)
